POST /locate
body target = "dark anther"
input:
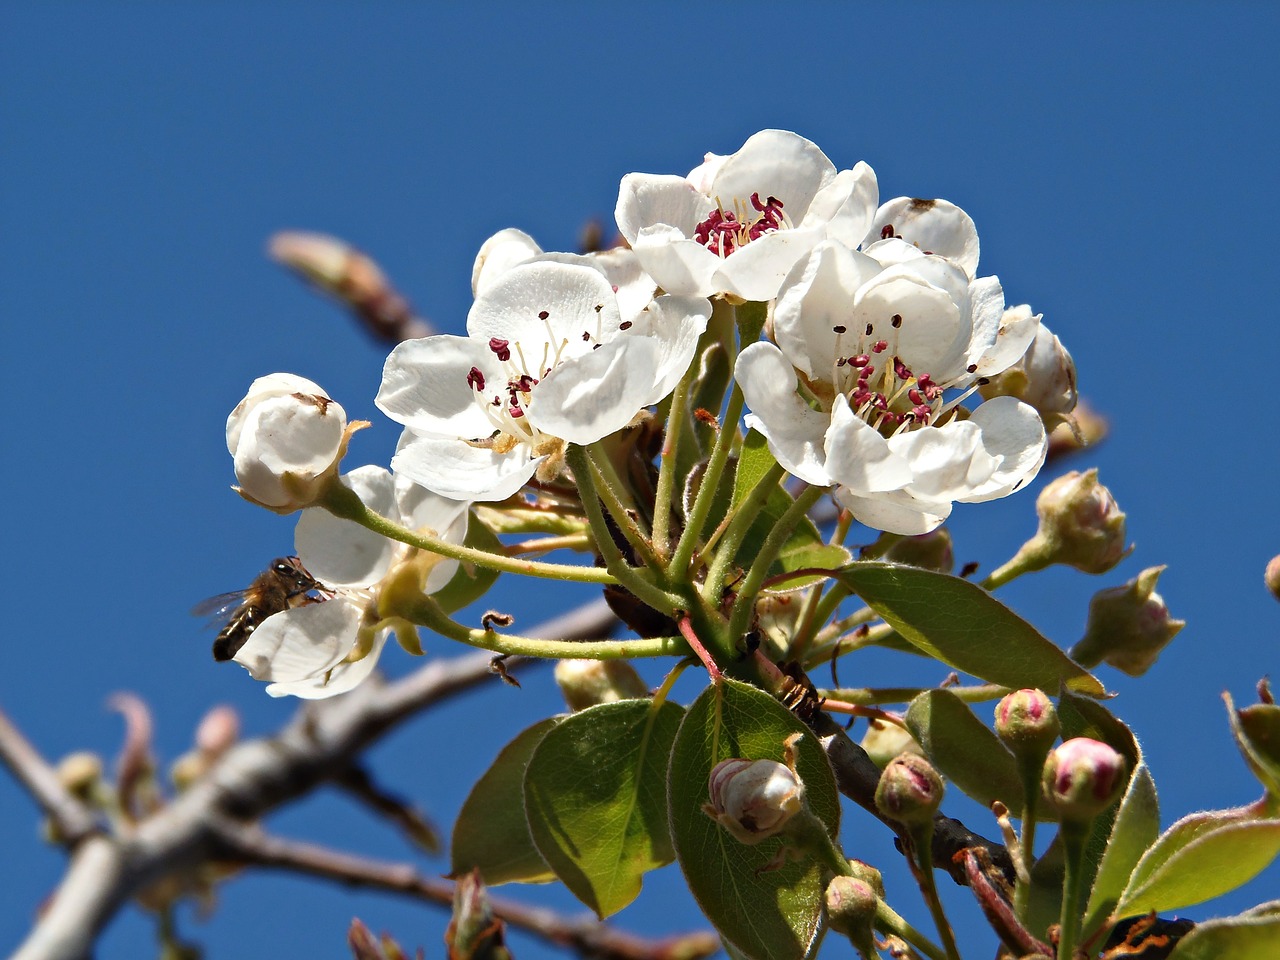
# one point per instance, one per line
(838, 328)
(896, 321)
(625, 325)
(542, 314)
(494, 618)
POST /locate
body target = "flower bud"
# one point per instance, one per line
(883, 741)
(753, 799)
(286, 436)
(585, 683)
(189, 769)
(80, 773)
(861, 870)
(1027, 723)
(1272, 577)
(1128, 626)
(1045, 377)
(1083, 777)
(851, 909)
(929, 551)
(910, 790)
(1080, 523)
(218, 731)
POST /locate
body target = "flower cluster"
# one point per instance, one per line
(879, 329)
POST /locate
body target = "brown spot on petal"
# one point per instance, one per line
(920, 206)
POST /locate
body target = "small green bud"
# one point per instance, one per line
(1272, 577)
(586, 683)
(910, 790)
(753, 799)
(883, 741)
(1027, 723)
(1082, 778)
(1128, 626)
(1080, 523)
(929, 551)
(851, 909)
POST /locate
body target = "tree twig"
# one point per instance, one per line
(249, 845)
(71, 818)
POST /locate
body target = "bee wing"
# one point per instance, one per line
(217, 610)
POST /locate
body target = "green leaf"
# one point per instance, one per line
(1253, 935)
(766, 913)
(491, 833)
(470, 583)
(754, 461)
(1257, 732)
(965, 750)
(595, 798)
(1137, 824)
(750, 317)
(1201, 857)
(965, 627)
(799, 555)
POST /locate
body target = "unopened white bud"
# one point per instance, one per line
(753, 799)
(285, 436)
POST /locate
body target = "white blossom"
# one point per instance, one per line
(861, 391)
(284, 436)
(328, 647)
(736, 224)
(549, 359)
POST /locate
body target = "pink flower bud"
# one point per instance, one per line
(1083, 777)
(910, 790)
(1027, 723)
(851, 906)
(1080, 523)
(753, 799)
(1128, 626)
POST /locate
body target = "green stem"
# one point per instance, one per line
(773, 544)
(615, 563)
(1074, 836)
(665, 494)
(425, 612)
(922, 842)
(745, 514)
(876, 696)
(891, 922)
(612, 492)
(697, 518)
(344, 502)
(1030, 557)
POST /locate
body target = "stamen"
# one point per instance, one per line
(475, 379)
(880, 346)
(500, 348)
(896, 321)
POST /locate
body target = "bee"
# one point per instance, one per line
(283, 585)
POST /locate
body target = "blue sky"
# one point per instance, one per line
(1118, 164)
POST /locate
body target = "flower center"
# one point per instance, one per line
(888, 393)
(504, 401)
(726, 230)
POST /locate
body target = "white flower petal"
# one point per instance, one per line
(425, 385)
(775, 163)
(341, 553)
(932, 324)
(264, 388)
(756, 270)
(1014, 434)
(935, 226)
(499, 254)
(986, 311)
(679, 266)
(422, 509)
(649, 200)
(302, 642)
(341, 678)
(947, 462)
(284, 434)
(1017, 329)
(589, 397)
(545, 307)
(897, 512)
(794, 431)
(846, 207)
(859, 458)
(633, 288)
(703, 176)
(455, 469)
(814, 299)
(674, 324)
